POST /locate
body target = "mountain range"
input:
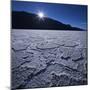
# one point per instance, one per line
(25, 20)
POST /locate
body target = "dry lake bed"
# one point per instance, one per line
(44, 58)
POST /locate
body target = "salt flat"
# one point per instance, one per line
(47, 58)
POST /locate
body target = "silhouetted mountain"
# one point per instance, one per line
(24, 20)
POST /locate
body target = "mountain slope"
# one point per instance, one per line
(24, 20)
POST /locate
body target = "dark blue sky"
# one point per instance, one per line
(75, 15)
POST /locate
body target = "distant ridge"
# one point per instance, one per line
(24, 20)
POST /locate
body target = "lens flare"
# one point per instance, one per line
(41, 14)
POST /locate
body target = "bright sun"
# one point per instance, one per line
(41, 14)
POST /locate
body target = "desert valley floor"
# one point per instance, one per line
(44, 58)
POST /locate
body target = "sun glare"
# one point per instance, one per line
(41, 14)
